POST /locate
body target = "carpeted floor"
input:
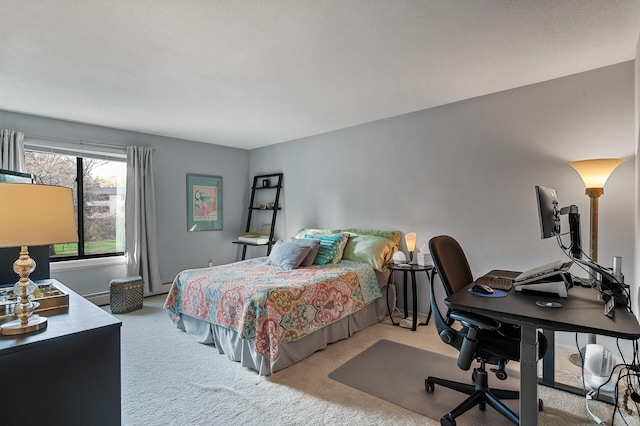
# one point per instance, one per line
(407, 374)
(169, 379)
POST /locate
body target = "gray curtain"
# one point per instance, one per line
(141, 252)
(12, 150)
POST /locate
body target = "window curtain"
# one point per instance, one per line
(12, 150)
(141, 254)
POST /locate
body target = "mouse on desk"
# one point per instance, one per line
(481, 288)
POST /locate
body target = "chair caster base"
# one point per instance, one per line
(428, 385)
(447, 420)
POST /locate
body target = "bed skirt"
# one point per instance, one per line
(243, 350)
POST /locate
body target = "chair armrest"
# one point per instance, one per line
(469, 319)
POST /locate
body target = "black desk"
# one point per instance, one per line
(67, 374)
(412, 268)
(581, 312)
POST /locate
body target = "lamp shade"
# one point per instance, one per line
(32, 215)
(410, 240)
(595, 172)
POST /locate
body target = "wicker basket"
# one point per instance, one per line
(126, 294)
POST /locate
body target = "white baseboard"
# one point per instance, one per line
(104, 298)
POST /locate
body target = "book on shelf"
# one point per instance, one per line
(253, 238)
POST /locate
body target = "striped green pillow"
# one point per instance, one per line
(329, 246)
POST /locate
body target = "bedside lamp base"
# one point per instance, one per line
(13, 328)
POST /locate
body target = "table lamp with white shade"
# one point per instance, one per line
(410, 241)
(32, 215)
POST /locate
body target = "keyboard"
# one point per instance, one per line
(501, 283)
(543, 271)
(498, 279)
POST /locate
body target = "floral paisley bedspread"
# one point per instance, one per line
(269, 304)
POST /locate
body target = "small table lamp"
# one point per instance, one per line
(32, 215)
(410, 241)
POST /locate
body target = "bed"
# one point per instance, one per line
(268, 314)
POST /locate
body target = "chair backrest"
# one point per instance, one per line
(450, 263)
(453, 269)
(451, 266)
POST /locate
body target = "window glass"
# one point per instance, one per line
(100, 184)
(104, 187)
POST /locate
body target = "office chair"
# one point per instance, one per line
(481, 338)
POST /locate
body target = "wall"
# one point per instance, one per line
(637, 180)
(465, 169)
(172, 160)
(469, 169)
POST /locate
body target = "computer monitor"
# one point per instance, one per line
(549, 215)
(548, 211)
(16, 177)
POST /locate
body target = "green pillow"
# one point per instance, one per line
(314, 231)
(394, 236)
(376, 251)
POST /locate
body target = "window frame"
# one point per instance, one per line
(79, 155)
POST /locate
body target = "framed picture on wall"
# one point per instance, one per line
(204, 203)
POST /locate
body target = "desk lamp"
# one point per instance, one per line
(32, 215)
(410, 241)
(594, 174)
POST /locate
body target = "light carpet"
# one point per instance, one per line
(170, 379)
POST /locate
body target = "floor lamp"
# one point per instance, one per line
(594, 173)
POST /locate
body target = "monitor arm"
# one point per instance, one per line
(574, 230)
(572, 209)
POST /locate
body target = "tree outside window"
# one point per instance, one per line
(100, 186)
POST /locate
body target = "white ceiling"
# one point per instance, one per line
(253, 73)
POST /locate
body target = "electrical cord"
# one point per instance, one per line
(632, 371)
(628, 371)
(626, 374)
(596, 419)
(588, 395)
(617, 407)
(597, 284)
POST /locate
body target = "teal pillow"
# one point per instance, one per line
(287, 255)
(329, 245)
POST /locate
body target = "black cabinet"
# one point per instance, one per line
(67, 374)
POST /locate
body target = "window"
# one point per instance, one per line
(99, 192)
